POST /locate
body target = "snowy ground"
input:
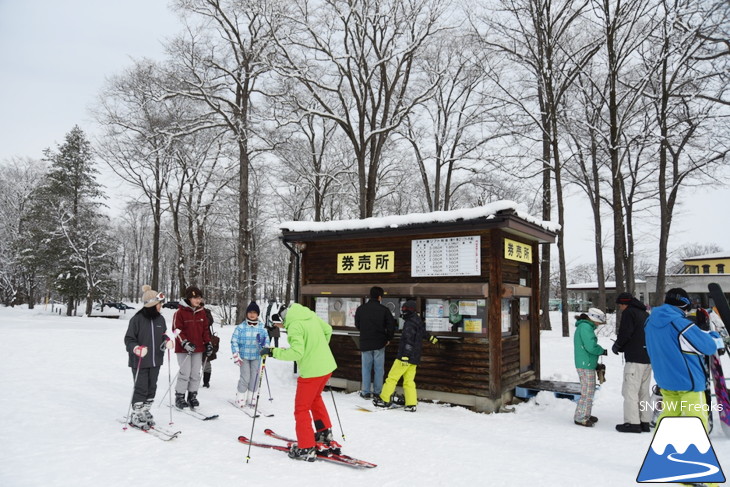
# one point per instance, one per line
(66, 383)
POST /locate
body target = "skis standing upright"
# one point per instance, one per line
(723, 397)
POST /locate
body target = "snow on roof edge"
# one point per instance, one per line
(395, 221)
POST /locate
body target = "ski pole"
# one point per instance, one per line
(266, 374)
(337, 413)
(134, 386)
(173, 380)
(169, 382)
(262, 370)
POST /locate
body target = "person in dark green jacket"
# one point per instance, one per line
(308, 338)
(587, 350)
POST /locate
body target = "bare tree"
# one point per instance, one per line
(356, 61)
(221, 63)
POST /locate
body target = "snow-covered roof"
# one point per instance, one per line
(395, 221)
(716, 255)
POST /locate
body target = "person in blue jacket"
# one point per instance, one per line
(586, 352)
(247, 341)
(676, 349)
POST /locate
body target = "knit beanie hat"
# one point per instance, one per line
(678, 297)
(409, 305)
(151, 297)
(252, 306)
(193, 292)
(624, 298)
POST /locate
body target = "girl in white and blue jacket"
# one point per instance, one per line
(247, 341)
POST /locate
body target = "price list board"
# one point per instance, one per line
(440, 257)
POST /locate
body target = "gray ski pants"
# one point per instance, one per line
(189, 378)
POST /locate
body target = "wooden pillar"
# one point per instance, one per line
(494, 331)
(535, 311)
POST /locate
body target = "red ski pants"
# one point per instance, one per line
(308, 407)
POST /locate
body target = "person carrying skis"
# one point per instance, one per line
(676, 348)
(377, 326)
(193, 340)
(246, 342)
(586, 352)
(308, 338)
(146, 341)
(409, 356)
(637, 369)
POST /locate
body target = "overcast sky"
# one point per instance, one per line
(56, 54)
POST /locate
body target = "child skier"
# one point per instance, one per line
(246, 343)
(586, 352)
(409, 356)
(146, 342)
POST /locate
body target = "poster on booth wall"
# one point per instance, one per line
(467, 308)
(438, 324)
(350, 308)
(434, 308)
(472, 325)
(321, 308)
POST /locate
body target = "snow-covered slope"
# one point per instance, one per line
(66, 382)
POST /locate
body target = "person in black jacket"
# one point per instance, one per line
(146, 341)
(637, 370)
(377, 327)
(409, 356)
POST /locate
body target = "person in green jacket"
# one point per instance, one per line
(308, 338)
(586, 351)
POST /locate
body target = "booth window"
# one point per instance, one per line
(337, 311)
(463, 315)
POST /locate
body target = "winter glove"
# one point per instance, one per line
(208, 349)
(189, 347)
(614, 349)
(433, 339)
(266, 351)
(718, 340)
(404, 359)
(237, 359)
(140, 350)
(605, 352)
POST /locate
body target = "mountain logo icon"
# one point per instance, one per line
(681, 452)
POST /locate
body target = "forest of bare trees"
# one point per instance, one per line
(265, 111)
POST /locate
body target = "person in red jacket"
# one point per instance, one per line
(192, 342)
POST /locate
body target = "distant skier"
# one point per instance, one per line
(637, 369)
(146, 343)
(246, 343)
(587, 350)
(676, 347)
(406, 363)
(308, 338)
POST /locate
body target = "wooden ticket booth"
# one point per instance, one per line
(474, 274)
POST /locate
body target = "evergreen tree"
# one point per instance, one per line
(66, 227)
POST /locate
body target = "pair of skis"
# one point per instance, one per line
(323, 452)
(722, 309)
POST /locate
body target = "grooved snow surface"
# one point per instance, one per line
(66, 382)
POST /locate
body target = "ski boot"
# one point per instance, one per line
(326, 444)
(180, 402)
(193, 399)
(146, 411)
(138, 419)
(306, 454)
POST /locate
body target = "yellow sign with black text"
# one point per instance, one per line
(364, 262)
(518, 251)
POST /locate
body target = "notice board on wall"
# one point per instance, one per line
(452, 256)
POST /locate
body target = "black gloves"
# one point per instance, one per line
(614, 349)
(605, 352)
(266, 351)
(189, 347)
(208, 349)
